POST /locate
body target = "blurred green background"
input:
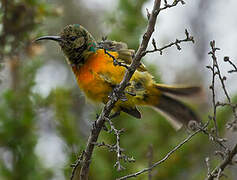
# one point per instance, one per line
(45, 119)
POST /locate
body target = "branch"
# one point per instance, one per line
(176, 43)
(226, 155)
(227, 161)
(162, 160)
(99, 123)
(150, 159)
(213, 138)
(108, 146)
(77, 164)
(227, 59)
(216, 72)
(115, 61)
(118, 149)
(212, 87)
(166, 5)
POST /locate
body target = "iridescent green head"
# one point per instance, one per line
(76, 43)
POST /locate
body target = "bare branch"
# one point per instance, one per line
(77, 164)
(176, 43)
(150, 159)
(212, 137)
(216, 72)
(103, 144)
(227, 161)
(115, 61)
(227, 59)
(215, 65)
(118, 149)
(163, 159)
(207, 160)
(226, 155)
(166, 5)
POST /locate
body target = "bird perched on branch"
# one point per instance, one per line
(100, 66)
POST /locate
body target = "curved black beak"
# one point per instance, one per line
(54, 38)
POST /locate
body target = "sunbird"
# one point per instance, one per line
(93, 64)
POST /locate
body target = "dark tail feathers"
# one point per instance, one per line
(176, 112)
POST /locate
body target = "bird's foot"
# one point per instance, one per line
(117, 94)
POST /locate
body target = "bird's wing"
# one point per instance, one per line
(125, 55)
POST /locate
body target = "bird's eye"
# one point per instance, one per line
(73, 38)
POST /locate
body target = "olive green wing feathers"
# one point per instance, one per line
(125, 55)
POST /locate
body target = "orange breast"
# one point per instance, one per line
(95, 76)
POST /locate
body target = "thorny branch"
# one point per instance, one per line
(150, 159)
(207, 160)
(77, 164)
(227, 155)
(212, 137)
(176, 43)
(115, 61)
(108, 146)
(212, 87)
(216, 72)
(216, 139)
(114, 98)
(227, 161)
(166, 5)
(163, 159)
(118, 149)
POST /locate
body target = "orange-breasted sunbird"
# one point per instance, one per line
(93, 65)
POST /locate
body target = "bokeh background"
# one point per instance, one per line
(45, 119)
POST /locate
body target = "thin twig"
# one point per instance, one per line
(227, 161)
(150, 159)
(216, 72)
(77, 164)
(226, 155)
(110, 147)
(118, 149)
(233, 105)
(115, 61)
(166, 5)
(163, 159)
(227, 59)
(207, 160)
(214, 138)
(176, 43)
(212, 87)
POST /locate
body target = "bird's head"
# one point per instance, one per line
(76, 42)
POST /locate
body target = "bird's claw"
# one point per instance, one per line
(119, 95)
